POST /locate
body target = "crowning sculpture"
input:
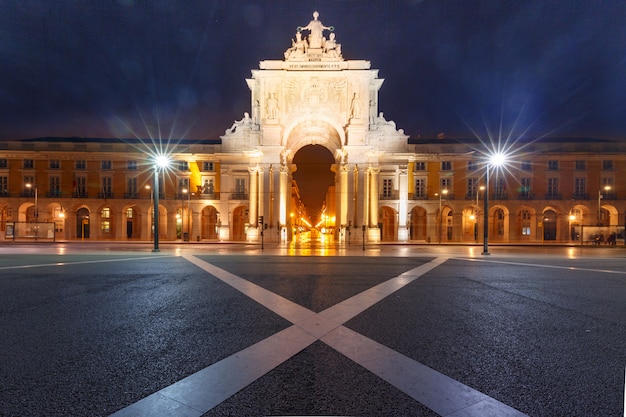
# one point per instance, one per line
(314, 47)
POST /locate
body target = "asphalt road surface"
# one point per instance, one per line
(233, 330)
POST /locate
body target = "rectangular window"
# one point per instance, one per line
(55, 186)
(29, 186)
(3, 163)
(526, 222)
(420, 188)
(420, 166)
(131, 187)
(500, 189)
(446, 184)
(208, 166)
(132, 165)
(387, 188)
(472, 187)
(527, 166)
(29, 164)
(446, 165)
(182, 166)
(106, 226)
(471, 165)
(55, 164)
(607, 181)
(553, 165)
(183, 184)
(106, 165)
(580, 187)
(581, 165)
(553, 187)
(80, 187)
(4, 186)
(525, 189)
(107, 188)
(607, 165)
(81, 164)
(240, 188)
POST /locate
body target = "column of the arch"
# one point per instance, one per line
(253, 204)
(342, 200)
(284, 199)
(403, 205)
(373, 232)
(262, 194)
(273, 204)
(365, 196)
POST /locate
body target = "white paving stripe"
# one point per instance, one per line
(442, 394)
(198, 393)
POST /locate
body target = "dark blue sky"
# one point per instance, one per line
(119, 68)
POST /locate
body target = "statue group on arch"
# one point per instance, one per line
(315, 43)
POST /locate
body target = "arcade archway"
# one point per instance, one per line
(315, 182)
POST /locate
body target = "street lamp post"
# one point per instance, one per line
(161, 162)
(148, 187)
(183, 192)
(36, 210)
(486, 215)
(34, 187)
(155, 210)
(606, 188)
(441, 214)
(496, 160)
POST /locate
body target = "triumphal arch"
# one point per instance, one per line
(314, 96)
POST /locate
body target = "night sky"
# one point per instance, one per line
(126, 68)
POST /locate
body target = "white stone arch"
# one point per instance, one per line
(319, 130)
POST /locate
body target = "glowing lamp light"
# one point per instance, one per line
(162, 161)
(498, 159)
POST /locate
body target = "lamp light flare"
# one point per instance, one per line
(498, 159)
(162, 161)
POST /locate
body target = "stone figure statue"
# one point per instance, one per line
(316, 29)
(355, 107)
(298, 47)
(272, 106)
(342, 156)
(255, 112)
(284, 157)
(332, 49)
(245, 121)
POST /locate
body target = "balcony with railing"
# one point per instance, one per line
(239, 196)
(580, 196)
(55, 194)
(389, 195)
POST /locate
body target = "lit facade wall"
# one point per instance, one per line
(552, 193)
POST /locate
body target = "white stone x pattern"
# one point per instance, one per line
(200, 392)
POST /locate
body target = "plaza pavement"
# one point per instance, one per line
(392, 330)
